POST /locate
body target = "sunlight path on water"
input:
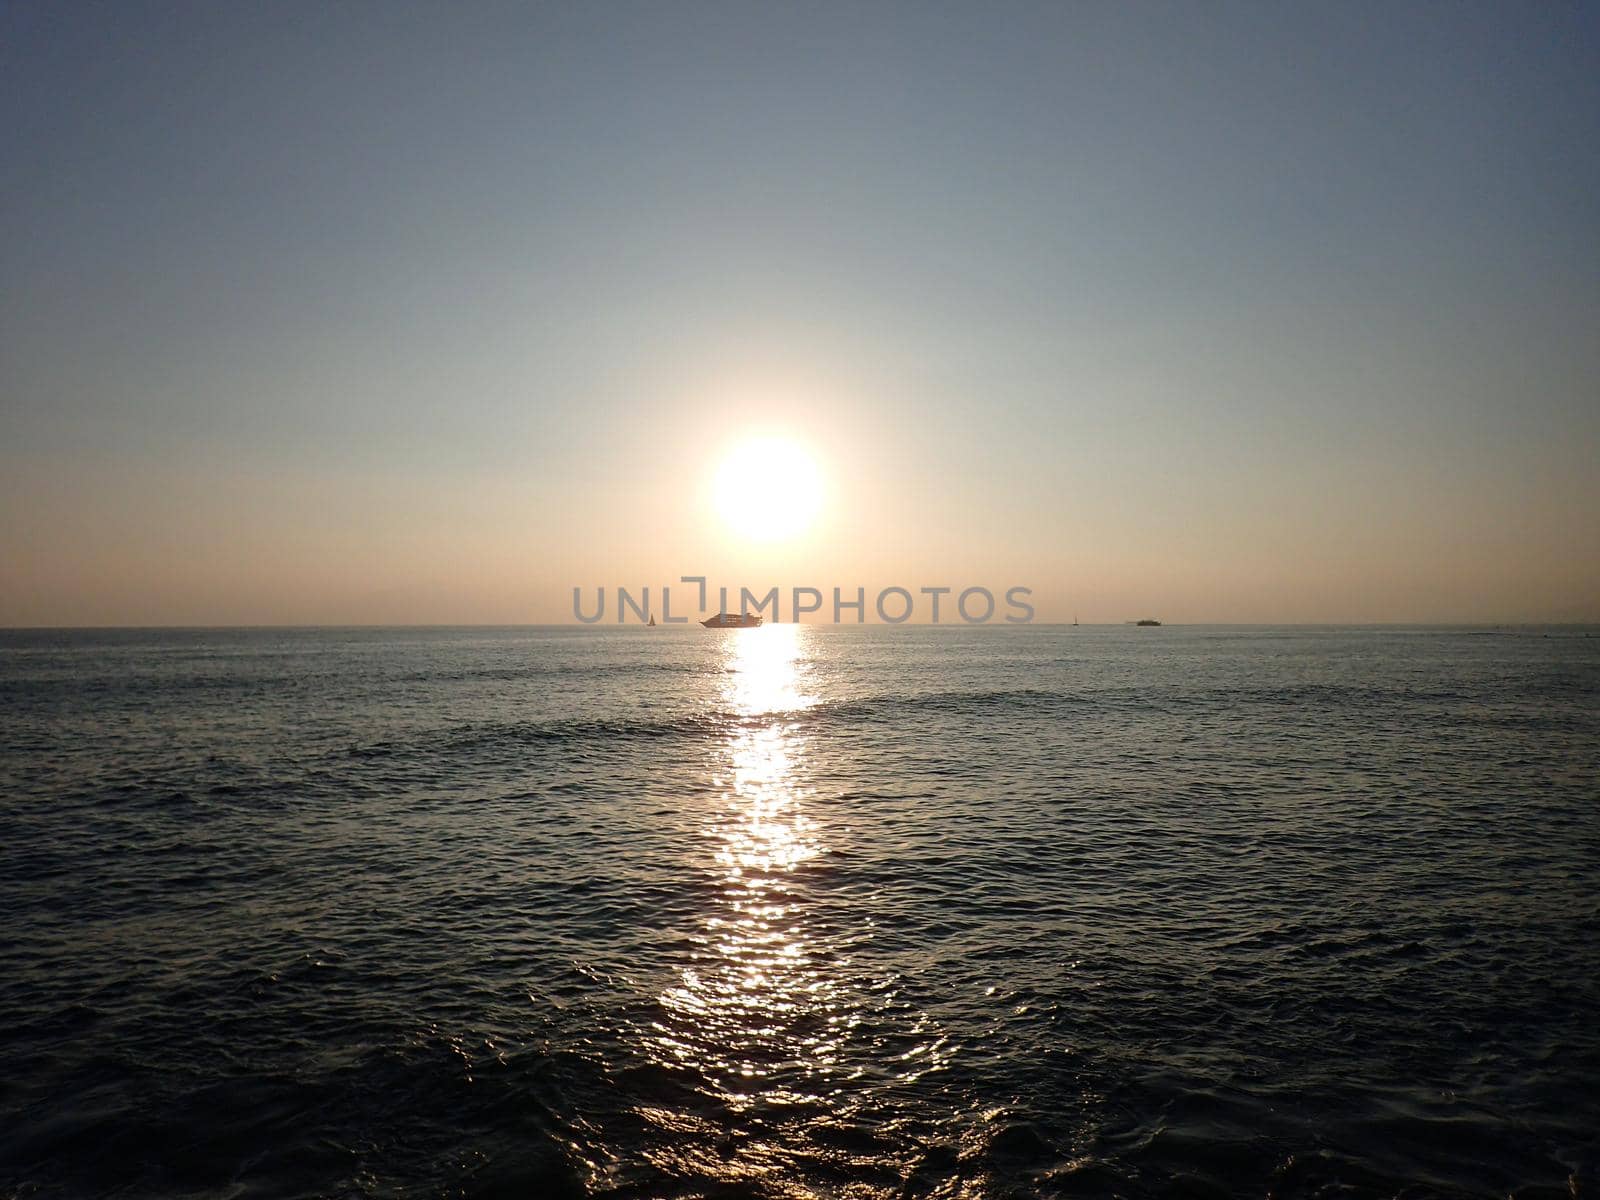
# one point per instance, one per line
(769, 1010)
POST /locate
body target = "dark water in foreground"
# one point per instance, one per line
(800, 913)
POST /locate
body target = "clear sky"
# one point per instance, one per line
(379, 313)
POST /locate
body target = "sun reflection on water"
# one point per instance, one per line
(771, 1021)
(759, 1004)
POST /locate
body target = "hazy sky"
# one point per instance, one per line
(389, 313)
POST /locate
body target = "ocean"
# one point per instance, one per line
(850, 912)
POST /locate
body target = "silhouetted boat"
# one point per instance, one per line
(1147, 621)
(652, 619)
(732, 621)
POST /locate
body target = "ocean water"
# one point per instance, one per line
(800, 912)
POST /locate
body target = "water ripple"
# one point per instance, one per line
(800, 913)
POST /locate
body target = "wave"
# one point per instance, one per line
(720, 723)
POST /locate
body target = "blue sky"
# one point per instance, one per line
(385, 312)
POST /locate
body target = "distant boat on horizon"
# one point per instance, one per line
(732, 621)
(652, 619)
(1147, 621)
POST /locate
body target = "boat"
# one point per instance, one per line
(1147, 621)
(732, 621)
(652, 619)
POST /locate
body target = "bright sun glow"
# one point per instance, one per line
(768, 490)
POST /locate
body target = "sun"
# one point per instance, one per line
(768, 489)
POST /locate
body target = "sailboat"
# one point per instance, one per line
(652, 619)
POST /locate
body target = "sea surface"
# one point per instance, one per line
(800, 912)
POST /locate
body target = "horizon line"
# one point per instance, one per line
(690, 624)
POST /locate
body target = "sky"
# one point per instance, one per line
(384, 313)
